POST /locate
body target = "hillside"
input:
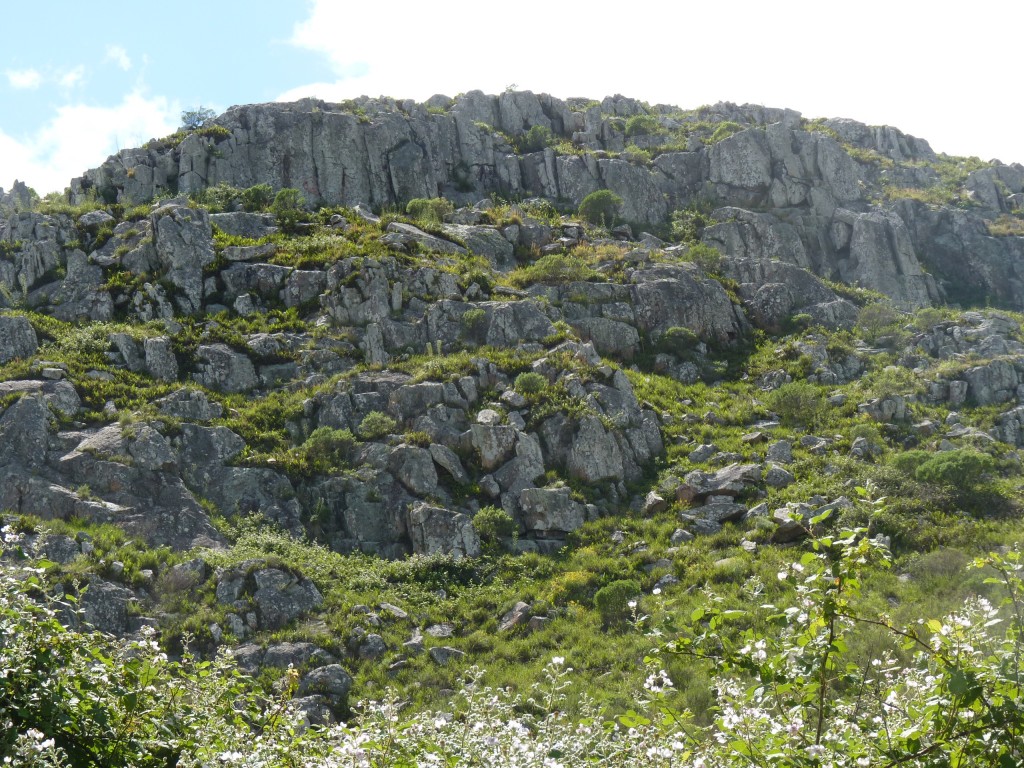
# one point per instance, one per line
(380, 391)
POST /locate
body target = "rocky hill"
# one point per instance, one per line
(243, 364)
(868, 206)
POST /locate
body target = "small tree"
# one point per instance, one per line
(194, 119)
(601, 207)
(257, 197)
(376, 425)
(799, 403)
(492, 524)
(288, 208)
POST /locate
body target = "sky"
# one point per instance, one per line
(79, 81)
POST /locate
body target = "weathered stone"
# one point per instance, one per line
(413, 467)
(280, 597)
(434, 530)
(331, 681)
(444, 655)
(220, 367)
(516, 616)
(17, 338)
(551, 511)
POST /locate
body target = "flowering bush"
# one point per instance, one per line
(793, 697)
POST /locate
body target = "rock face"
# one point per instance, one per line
(813, 198)
(17, 338)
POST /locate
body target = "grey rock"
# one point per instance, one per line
(372, 647)
(484, 241)
(331, 681)
(280, 597)
(104, 606)
(220, 367)
(435, 530)
(184, 245)
(516, 616)
(494, 445)
(190, 405)
(24, 432)
(17, 338)
(413, 467)
(444, 655)
(780, 452)
(777, 477)
(251, 225)
(551, 511)
(160, 360)
(447, 459)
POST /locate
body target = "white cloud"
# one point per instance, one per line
(24, 79)
(80, 137)
(119, 56)
(72, 77)
(895, 63)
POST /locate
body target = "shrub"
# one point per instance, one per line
(534, 139)
(875, 319)
(257, 197)
(612, 601)
(962, 468)
(706, 257)
(288, 208)
(688, 224)
(194, 119)
(678, 341)
(376, 425)
(530, 383)
(553, 269)
(798, 403)
(642, 125)
(474, 321)
(430, 211)
(326, 450)
(492, 524)
(601, 207)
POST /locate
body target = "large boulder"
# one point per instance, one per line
(184, 245)
(17, 338)
(435, 530)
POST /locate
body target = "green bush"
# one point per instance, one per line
(376, 425)
(288, 208)
(530, 383)
(257, 197)
(678, 341)
(534, 139)
(688, 224)
(907, 462)
(601, 207)
(492, 524)
(876, 319)
(612, 601)
(474, 322)
(799, 403)
(707, 257)
(962, 469)
(643, 125)
(430, 211)
(326, 450)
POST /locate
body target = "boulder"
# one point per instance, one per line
(551, 511)
(220, 367)
(17, 338)
(281, 597)
(183, 239)
(435, 530)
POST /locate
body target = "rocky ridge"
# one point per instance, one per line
(380, 383)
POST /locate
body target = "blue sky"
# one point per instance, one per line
(78, 81)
